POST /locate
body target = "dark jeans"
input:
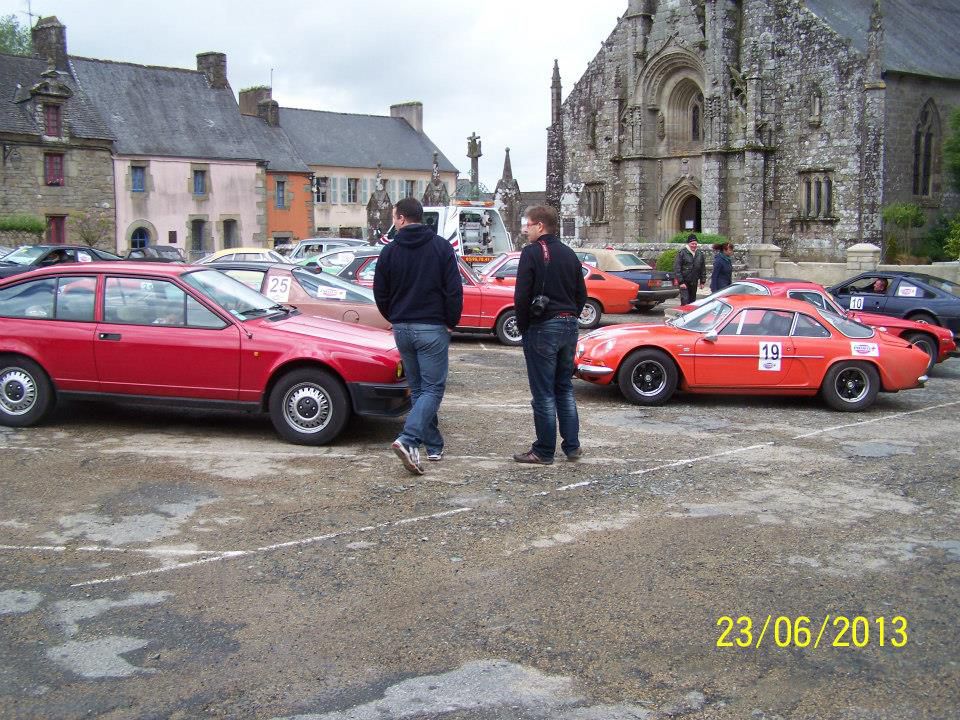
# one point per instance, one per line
(548, 348)
(424, 350)
(689, 293)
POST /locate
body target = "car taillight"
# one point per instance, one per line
(400, 370)
(656, 283)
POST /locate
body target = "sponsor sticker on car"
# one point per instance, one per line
(906, 291)
(328, 293)
(865, 349)
(84, 257)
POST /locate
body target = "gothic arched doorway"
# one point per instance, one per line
(689, 215)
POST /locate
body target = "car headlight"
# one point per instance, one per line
(580, 349)
(604, 348)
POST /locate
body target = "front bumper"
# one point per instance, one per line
(593, 371)
(383, 400)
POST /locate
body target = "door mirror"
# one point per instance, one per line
(500, 276)
(711, 336)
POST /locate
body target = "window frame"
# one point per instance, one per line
(280, 194)
(52, 115)
(53, 169)
(138, 178)
(200, 179)
(353, 190)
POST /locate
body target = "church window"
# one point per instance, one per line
(816, 195)
(925, 151)
(695, 123)
(595, 202)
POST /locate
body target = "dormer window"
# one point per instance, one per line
(52, 120)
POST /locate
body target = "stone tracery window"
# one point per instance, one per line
(816, 195)
(594, 197)
(926, 142)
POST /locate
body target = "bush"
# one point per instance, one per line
(892, 252)
(23, 223)
(666, 259)
(702, 238)
(933, 246)
(951, 245)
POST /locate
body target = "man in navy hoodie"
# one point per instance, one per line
(418, 288)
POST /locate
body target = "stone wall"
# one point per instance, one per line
(16, 238)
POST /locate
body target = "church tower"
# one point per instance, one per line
(555, 144)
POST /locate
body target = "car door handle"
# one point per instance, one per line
(109, 336)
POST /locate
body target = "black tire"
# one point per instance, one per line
(646, 307)
(26, 393)
(850, 386)
(507, 331)
(924, 318)
(590, 316)
(309, 407)
(648, 377)
(926, 343)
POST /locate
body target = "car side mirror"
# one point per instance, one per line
(711, 336)
(500, 276)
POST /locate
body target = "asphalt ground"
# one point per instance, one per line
(164, 563)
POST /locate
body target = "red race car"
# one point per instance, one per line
(938, 342)
(606, 293)
(752, 345)
(187, 335)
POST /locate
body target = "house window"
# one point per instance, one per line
(138, 177)
(52, 120)
(816, 195)
(56, 229)
(925, 152)
(199, 182)
(409, 188)
(140, 238)
(197, 239)
(281, 194)
(53, 169)
(321, 187)
(595, 203)
(353, 189)
(230, 234)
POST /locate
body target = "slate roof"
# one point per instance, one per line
(81, 118)
(274, 146)
(361, 141)
(919, 36)
(165, 111)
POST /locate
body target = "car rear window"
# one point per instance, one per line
(945, 285)
(846, 326)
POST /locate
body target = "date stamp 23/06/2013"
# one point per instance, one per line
(840, 631)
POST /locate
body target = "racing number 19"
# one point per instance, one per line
(769, 351)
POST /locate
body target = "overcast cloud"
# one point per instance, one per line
(481, 66)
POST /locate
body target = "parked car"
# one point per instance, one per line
(156, 253)
(319, 245)
(32, 256)
(939, 343)
(606, 293)
(243, 253)
(910, 295)
(655, 285)
(333, 261)
(321, 294)
(751, 344)
(187, 335)
(486, 309)
(4, 250)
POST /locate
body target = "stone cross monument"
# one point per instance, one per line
(473, 152)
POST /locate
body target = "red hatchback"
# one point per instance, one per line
(187, 335)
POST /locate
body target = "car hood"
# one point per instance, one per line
(327, 329)
(491, 289)
(654, 329)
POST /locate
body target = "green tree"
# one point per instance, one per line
(951, 150)
(903, 216)
(952, 244)
(14, 39)
(94, 227)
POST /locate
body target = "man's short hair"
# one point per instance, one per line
(410, 208)
(546, 215)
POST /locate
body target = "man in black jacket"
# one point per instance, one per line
(550, 269)
(690, 267)
(418, 288)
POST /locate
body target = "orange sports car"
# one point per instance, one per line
(756, 345)
(606, 293)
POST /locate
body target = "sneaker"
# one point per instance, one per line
(435, 456)
(409, 456)
(574, 454)
(531, 458)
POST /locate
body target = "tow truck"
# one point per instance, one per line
(474, 228)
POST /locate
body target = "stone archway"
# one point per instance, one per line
(681, 202)
(140, 233)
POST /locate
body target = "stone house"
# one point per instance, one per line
(345, 152)
(790, 122)
(56, 162)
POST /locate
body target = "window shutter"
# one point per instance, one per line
(332, 191)
(393, 191)
(420, 189)
(365, 198)
(343, 190)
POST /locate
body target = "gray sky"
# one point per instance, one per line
(480, 66)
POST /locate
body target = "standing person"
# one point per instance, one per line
(690, 267)
(418, 289)
(722, 274)
(550, 269)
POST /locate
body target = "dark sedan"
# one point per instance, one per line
(32, 256)
(156, 253)
(910, 295)
(655, 285)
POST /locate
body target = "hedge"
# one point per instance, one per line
(666, 259)
(702, 238)
(23, 223)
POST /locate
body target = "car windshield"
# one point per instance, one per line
(469, 271)
(847, 326)
(331, 287)
(232, 295)
(26, 255)
(704, 317)
(939, 283)
(632, 261)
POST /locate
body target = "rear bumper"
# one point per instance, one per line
(645, 297)
(380, 400)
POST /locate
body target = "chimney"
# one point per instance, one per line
(214, 66)
(251, 98)
(412, 112)
(269, 111)
(49, 38)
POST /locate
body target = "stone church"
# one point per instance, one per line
(790, 122)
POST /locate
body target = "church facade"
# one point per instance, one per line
(790, 122)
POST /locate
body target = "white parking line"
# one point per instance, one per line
(875, 420)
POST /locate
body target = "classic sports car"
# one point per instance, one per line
(752, 345)
(909, 295)
(606, 293)
(321, 294)
(29, 257)
(187, 335)
(655, 285)
(938, 342)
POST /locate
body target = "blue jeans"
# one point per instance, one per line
(548, 348)
(424, 351)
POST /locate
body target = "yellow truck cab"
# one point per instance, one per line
(474, 228)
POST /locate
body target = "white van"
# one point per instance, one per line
(474, 228)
